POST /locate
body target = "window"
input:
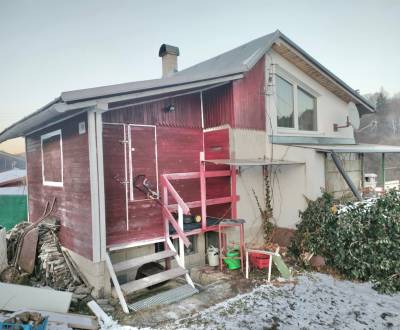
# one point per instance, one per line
(52, 159)
(296, 107)
(307, 110)
(284, 103)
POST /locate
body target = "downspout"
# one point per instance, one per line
(345, 176)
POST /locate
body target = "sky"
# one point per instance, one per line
(50, 46)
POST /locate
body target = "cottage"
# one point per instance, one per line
(127, 162)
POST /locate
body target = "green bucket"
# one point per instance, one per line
(230, 262)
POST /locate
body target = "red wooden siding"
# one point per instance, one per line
(73, 205)
(216, 144)
(218, 106)
(240, 104)
(114, 176)
(249, 98)
(52, 170)
(187, 113)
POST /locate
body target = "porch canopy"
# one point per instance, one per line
(252, 162)
(354, 148)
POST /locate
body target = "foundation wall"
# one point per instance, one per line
(96, 274)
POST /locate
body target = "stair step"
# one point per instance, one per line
(145, 282)
(137, 262)
(163, 298)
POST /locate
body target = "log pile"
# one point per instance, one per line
(54, 266)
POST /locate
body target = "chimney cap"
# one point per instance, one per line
(168, 49)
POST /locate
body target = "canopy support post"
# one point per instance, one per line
(383, 179)
(345, 176)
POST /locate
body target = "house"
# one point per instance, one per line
(122, 159)
(13, 197)
(9, 161)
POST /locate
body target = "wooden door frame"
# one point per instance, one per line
(124, 127)
(130, 168)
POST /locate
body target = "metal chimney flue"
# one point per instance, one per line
(169, 55)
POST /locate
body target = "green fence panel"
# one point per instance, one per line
(13, 210)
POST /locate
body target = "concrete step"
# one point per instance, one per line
(163, 298)
(145, 282)
(137, 262)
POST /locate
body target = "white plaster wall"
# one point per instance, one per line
(291, 184)
(330, 108)
(249, 144)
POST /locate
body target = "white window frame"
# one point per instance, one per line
(296, 83)
(45, 137)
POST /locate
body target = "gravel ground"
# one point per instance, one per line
(317, 301)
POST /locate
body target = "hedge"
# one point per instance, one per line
(359, 240)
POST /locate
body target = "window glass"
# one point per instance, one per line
(307, 111)
(284, 103)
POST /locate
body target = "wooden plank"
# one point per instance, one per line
(152, 280)
(136, 262)
(212, 201)
(116, 285)
(178, 229)
(175, 195)
(14, 297)
(196, 175)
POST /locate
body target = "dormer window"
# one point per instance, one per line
(296, 108)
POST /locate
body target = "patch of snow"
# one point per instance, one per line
(317, 301)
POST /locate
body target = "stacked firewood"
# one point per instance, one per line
(54, 266)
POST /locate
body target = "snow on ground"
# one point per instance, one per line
(317, 301)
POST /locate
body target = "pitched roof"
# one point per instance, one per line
(224, 67)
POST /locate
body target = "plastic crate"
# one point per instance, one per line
(259, 260)
(18, 326)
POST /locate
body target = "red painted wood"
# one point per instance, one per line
(196, 175)
(233, 193)
(187, 113)
(114, 176)
(216, 144)
(203, 190)
(218, 106)
(249, 98)
(73, 206)
(175, 195)
(143, 153)
(168, 215)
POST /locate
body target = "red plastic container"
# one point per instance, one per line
(260, 260)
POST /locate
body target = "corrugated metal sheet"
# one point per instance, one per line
(218, 106)
(249, 99)
(356, 148)
(187, 113)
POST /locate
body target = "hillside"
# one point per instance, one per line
(382, 127)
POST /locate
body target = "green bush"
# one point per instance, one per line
(359, 240)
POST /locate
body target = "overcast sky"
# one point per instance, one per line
(50, 46)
